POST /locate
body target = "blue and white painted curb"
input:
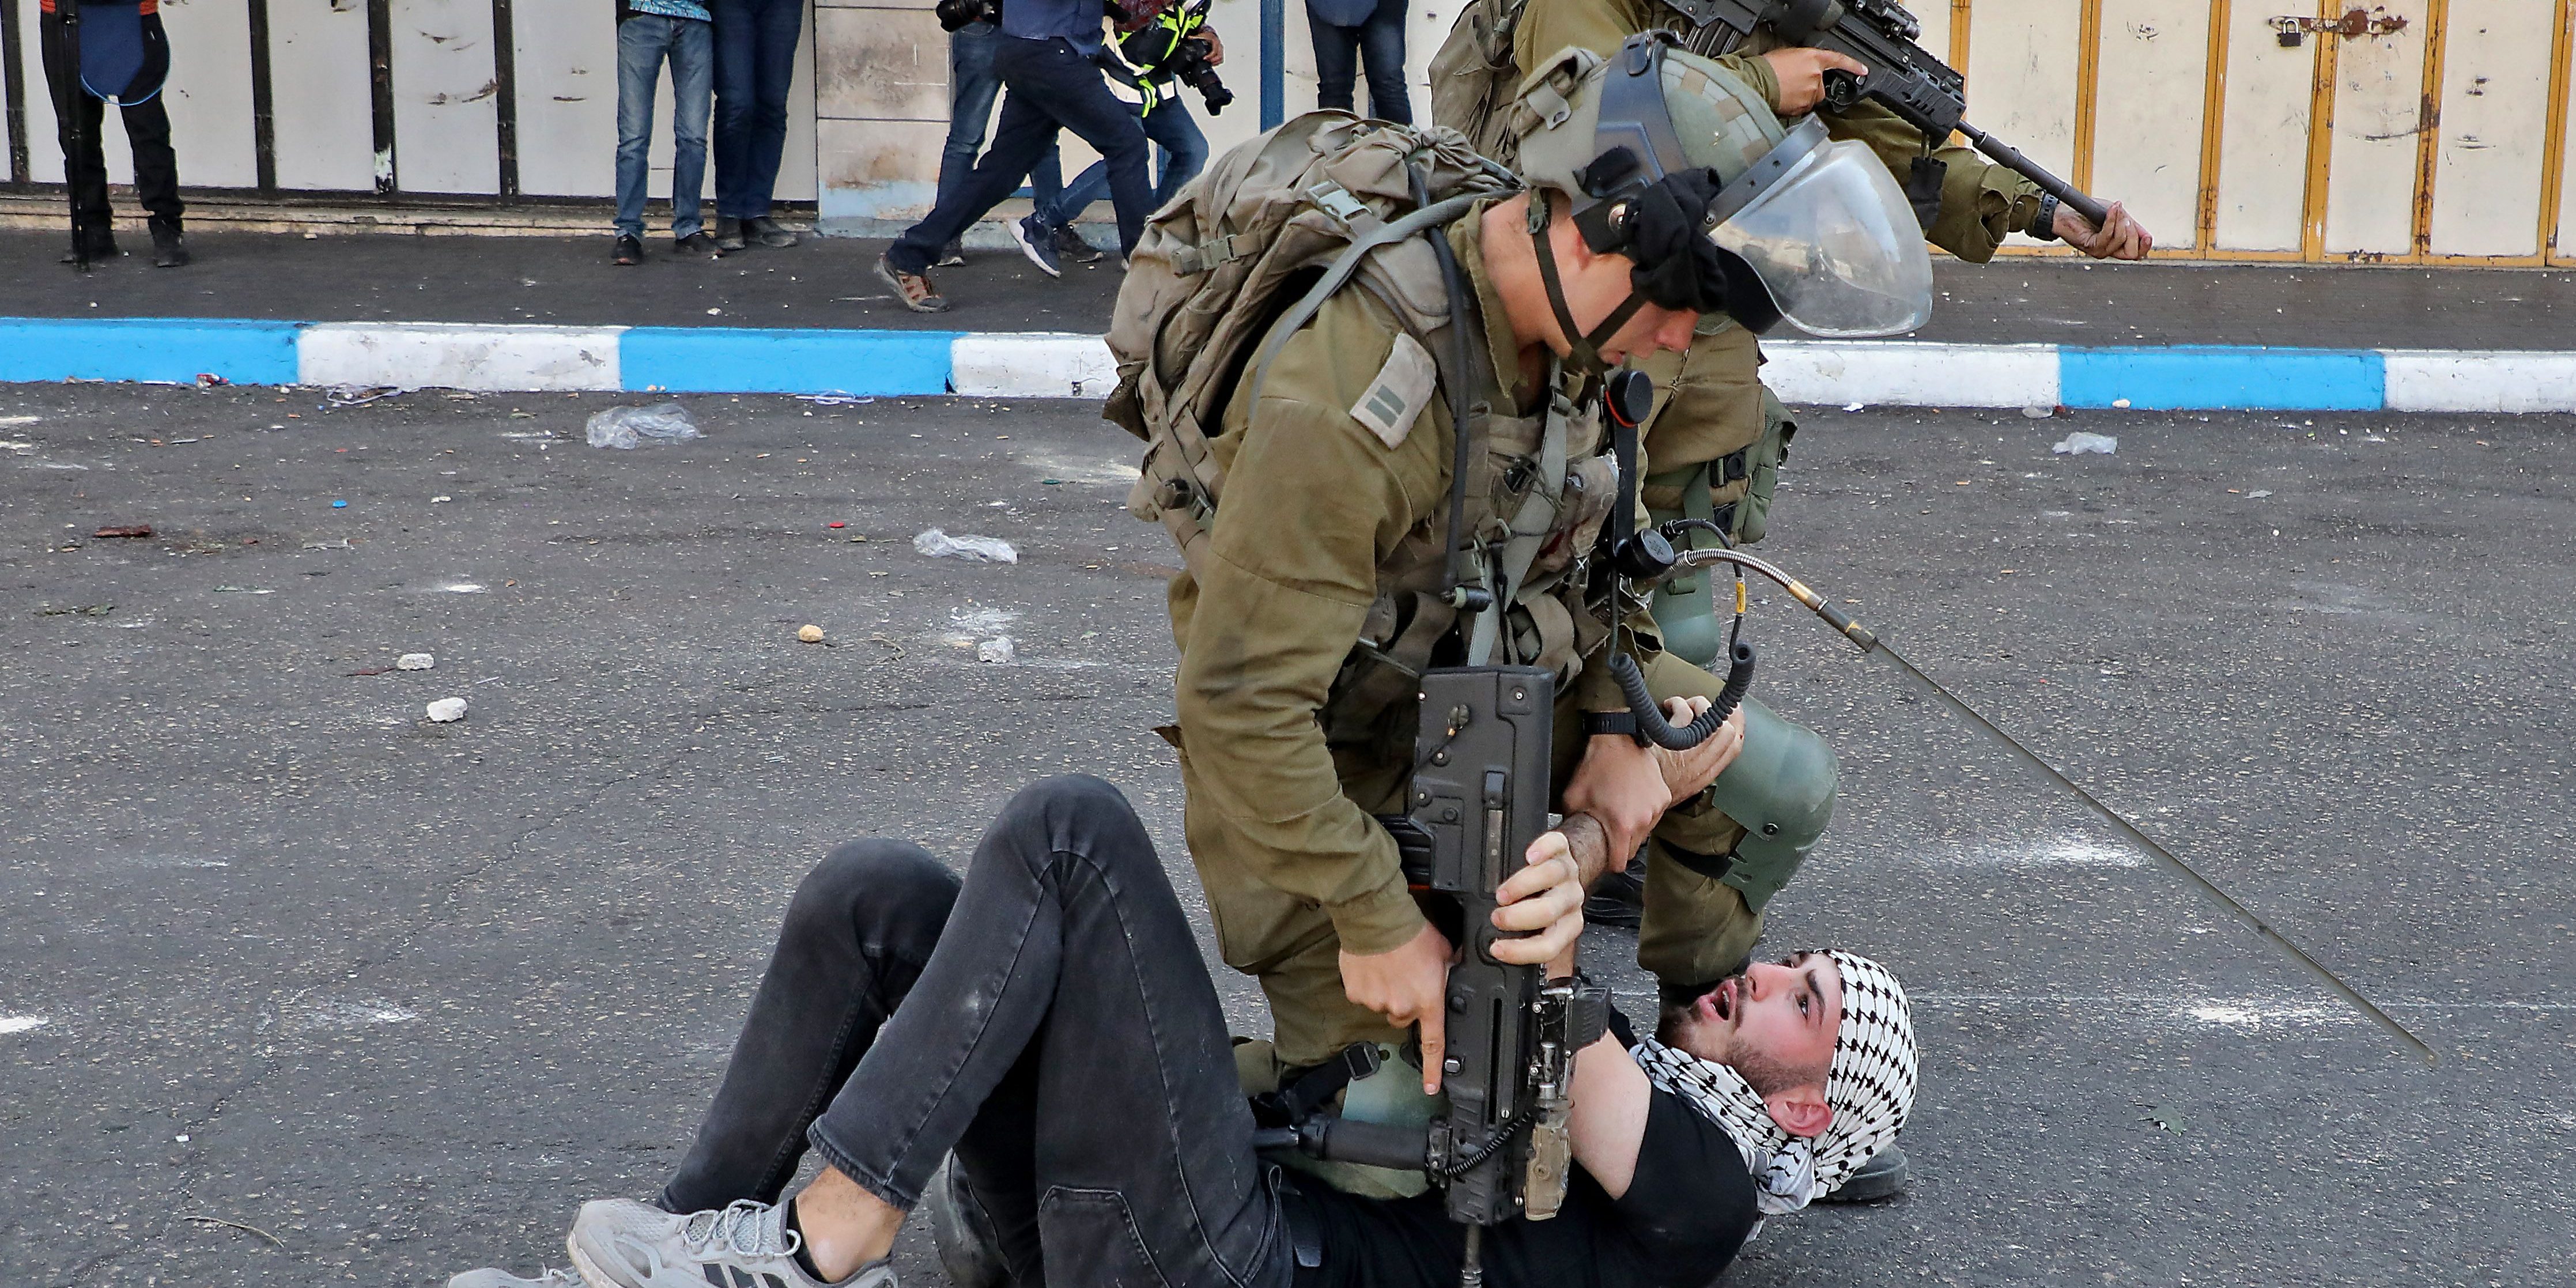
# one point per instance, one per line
(1905, 373)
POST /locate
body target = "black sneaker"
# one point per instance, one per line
(951, 255)
(169, 247)
(1883, 1177)
(103, 248)
(630, 249)
(766, 231)
(729, 235)
(1619, 898)
(1037, 241)
(1072, 249)
(700, 242)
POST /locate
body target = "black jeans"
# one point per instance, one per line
(147, 127)
(1380, 43)
(1051, 87)
(1050, 1021)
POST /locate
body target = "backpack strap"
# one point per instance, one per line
(1438, 213)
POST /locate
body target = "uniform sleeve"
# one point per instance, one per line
(1602, 26)
(1312, 501)
(1980, 201)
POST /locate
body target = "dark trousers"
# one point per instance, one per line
(1051, 87)
(755, 61)
(1379, 42)
(1050, 1021)
(972, 87)
(147, 127)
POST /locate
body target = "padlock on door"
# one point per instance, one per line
(2356, 21)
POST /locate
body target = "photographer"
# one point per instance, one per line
(974, 29)
(1048, 59)
(1163, 49)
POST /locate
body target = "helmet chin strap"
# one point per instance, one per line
(1583, 348)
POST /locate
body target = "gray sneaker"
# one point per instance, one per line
(1883, 1177)
(558, 1277)
(620, 1243)
(963, 1231)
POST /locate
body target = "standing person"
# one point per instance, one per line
(1046, 60)
(974, 30)
(123, 54)
(650, 32)
(1349, 32)
(755, 63)
(1046, 236)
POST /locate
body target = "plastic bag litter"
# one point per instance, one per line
(939, 545)
(624, 427)
(997, 649)
(2079, 443)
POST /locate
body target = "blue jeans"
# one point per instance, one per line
(1380, 43)
(1185, 151)
(755, 61)
(1052, 87)
(643, 42)
(972, 87)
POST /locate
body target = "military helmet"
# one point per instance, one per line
(1672, 160)
(1711, 117)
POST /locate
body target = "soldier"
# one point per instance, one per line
(1716, 436)
(1311, 597)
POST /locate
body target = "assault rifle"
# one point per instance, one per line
(1881, 36)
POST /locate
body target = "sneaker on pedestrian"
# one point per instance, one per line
(700, 242)
(1883, 1177)
(729, 235)
(557, 1277)
(1072, 249)
(169, 247)
(619, 1243)
(766, 231)
(630, 249)
(912, 289)
(951, 255)
(1037, 241)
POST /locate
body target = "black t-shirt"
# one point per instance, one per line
(1686, 1212)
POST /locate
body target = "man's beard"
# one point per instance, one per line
(1681, 1027)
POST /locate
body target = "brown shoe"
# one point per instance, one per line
(913, 289)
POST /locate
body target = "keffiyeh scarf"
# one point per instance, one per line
(1870, 1086)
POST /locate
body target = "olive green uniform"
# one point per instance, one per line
(1317, 502)
(1710, 401)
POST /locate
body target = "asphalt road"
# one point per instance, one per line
(298, 988)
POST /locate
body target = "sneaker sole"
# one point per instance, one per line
(1030, 249)
(590, 1273)
(886, 275)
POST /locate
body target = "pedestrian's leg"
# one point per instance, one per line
(156, 166)
(692, 81)
(862, 925)
(1068, 936)
(1336, 62)
(1185, 148)
(640, 42)
(1025, 133)
(1046, 178)
(1075, 197)
(780, 24)
(1079, 97)
(1381, 41)
(972, 86)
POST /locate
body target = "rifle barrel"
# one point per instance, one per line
(2009, 157)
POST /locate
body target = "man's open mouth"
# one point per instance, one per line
(1729, 992)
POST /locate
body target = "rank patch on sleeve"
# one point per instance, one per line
(1402, 389)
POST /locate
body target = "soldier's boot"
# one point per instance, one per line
(169, 248)
(969, 1250)
(1883, 1177)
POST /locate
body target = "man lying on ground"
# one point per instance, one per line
(1052, 1023)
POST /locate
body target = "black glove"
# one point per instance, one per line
(1677, 266)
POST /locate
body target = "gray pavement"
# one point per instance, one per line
(831, 282)
(296, 988)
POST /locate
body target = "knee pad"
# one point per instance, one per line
(1781, 789)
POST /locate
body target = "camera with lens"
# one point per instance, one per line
(1189, 64)
(956, 15)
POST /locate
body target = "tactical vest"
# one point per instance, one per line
(1326, 203)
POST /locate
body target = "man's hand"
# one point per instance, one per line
(1688, 773)
(1216, 46)
(2121, 236)
(1408, 985)
(1626, 788)
(1801, 73)
(1544, 898)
